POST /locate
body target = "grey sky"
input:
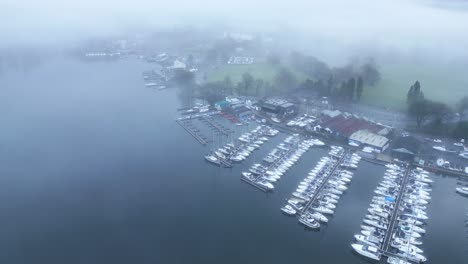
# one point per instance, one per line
(410, 23)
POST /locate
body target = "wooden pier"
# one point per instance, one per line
(393, 219)
(193, 131)
(215, 125)
(253, 183)
(323, 184)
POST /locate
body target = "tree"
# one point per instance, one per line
(418, 110)
(461, 131)
(330, 84)
(308, 84)
(350, 86)
(309, 65)
(359, 88)
(245, 84)
(370, 73)
(227, 86)
(423, 108)
(285, 80)
(415, 94)
(183, 77)
(462, 105)
(259, 84)
(211, 92)
(343, 90)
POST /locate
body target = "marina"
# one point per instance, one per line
(188, 126)
(237, 150)
(214, 125)
(317, 195)
(135, 187)
(263, 175)
(397, 217)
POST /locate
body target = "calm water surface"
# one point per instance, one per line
(93, 169)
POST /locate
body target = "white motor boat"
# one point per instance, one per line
(439, 148)
(323, 210)
(367, 251)
(462, 190)
(309, 221)
(375, 223)
(368, 240)
(411, 255)
(212, 159)
(266, 184)
(287, 209)
(406, 246)
(319, 217)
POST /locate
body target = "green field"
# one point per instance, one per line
(442, 83)
(262, 71)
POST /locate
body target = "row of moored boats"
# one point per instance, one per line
(278, 161)
(396, 217)
(242, 148)
(316, 197)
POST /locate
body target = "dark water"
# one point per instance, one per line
(93, 169)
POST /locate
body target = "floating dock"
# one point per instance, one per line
(192, 131)
(324, 183)
(215, 125)
(388, 235)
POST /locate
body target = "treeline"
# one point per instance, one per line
(284, 81)
(344, 83)
(347, 90)
(433, 116)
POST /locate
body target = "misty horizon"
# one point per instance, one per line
(404, 26)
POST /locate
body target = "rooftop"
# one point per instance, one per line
(369, 138)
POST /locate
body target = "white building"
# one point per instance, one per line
(367, 138)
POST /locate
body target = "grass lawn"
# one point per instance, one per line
(438, 82)
(263, 71)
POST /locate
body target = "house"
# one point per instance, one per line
(240, 111)
(405, 148)
(279, 107)
(367, 138)
(177, 65)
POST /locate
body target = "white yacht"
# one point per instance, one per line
(439, 148)
(212, 159)
(287, 209)
(367, 251)
(462, 190)
(309, 221)
(411, 255)
(406, 246)
(375, 223)
(319, 217)
(368, 240)
(266, 184)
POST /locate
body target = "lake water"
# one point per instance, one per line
(93, 169)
